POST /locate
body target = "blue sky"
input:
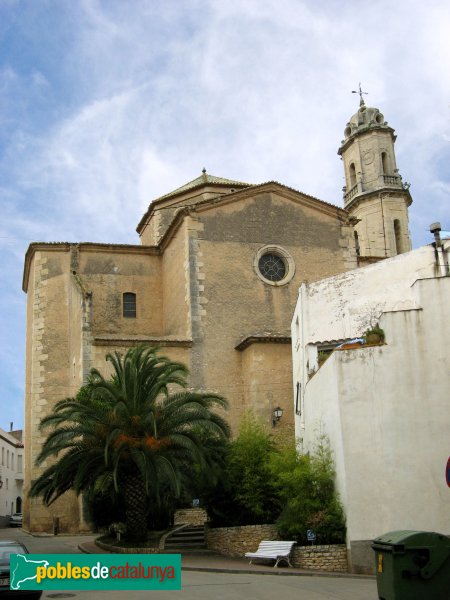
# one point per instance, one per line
(105, 105)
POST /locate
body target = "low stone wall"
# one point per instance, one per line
(321, 558)
(236, 541)
(190, 516)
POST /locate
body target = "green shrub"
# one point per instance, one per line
(306, 487)
(246, 494)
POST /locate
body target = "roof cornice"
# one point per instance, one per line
(262, 339)
(158, 341)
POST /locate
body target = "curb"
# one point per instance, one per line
(325, 574)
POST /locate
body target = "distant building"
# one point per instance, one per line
(385, 408)
(11, 474)
(213, 284)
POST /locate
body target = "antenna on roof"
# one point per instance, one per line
(360, 92)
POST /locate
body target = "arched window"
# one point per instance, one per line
(384, 163)
(398, 236)
(352, 175)
(129, 305)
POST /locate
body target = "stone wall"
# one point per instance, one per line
(190, 516)
(320, 558)
(236, 541)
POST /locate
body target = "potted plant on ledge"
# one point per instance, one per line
(374, 335)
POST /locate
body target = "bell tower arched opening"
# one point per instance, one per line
(384, 164)
(352, 175)
(398, 236)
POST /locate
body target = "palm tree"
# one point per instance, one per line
(133, 431)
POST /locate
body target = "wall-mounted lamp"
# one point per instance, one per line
(276, 415)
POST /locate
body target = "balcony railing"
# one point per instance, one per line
(350, 194)
(392, 180)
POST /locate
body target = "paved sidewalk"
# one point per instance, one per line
(215, 563)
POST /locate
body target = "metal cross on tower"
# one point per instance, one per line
(360, 92)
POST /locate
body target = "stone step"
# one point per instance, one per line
(176, 544)
(187, 539)
(188, 533)
(196, 544)
(178, 550)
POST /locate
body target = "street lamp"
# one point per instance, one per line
(276, 415)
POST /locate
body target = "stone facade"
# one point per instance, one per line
(236, 541)
(331, 558)
(190, 516)
(200, 297)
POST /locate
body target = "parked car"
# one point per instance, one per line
(16, 520)
(8, 547)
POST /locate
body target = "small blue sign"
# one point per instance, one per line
(310, 535)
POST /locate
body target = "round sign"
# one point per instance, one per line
(447, 472)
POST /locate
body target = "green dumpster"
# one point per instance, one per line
(412, 565)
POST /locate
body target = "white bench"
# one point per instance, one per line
(268, 550)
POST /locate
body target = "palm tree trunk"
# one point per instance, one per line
(135, 507)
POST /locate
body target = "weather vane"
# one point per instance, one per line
(360, 92)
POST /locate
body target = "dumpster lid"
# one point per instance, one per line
(405, 537)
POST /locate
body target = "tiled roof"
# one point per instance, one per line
(204, 179)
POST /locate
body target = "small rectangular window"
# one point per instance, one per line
(129, 305)
(298, 409)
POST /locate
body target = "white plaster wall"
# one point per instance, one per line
(342, 307)
(339, 307)
(386, 412)
(12, 477)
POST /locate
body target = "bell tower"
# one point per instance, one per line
(374, 192)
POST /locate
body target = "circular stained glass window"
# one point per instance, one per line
(272, 267)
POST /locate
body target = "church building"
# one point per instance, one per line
(212, 283)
